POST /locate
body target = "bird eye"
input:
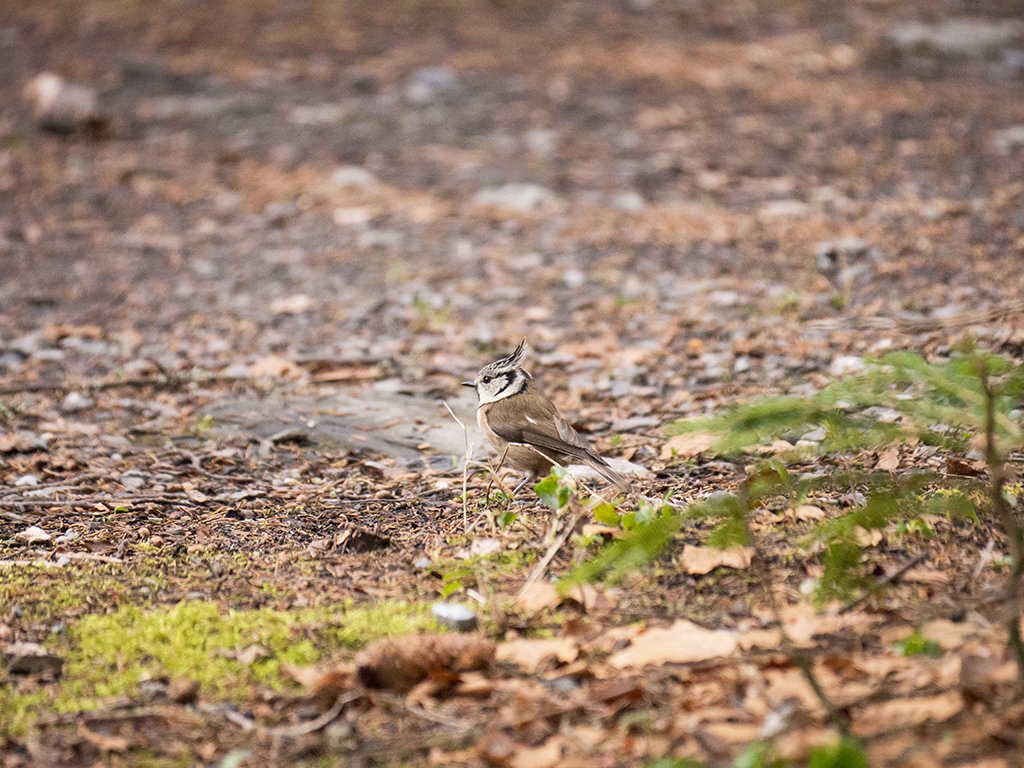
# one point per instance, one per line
(487, 379)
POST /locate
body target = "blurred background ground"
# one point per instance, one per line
(301, 213)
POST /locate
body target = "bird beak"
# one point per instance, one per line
(469, 384)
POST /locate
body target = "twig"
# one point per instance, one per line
(912, 326)
(889, 578)
(433, 717)
(317, 723)
(102, 384)
(84, 500)
(556, 545)
(465, 467)
(983, 559)
(796, 657)
(1014, 533)
(233, 716)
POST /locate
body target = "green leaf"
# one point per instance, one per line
(551, 492)
(676, 762)
(847, 753)
(842, 574)
(606, 514)
(758, 755)
(450, 588)
(628, 554)
(916, 644)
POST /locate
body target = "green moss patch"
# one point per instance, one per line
(228, 652)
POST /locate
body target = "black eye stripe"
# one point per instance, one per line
(508, 376)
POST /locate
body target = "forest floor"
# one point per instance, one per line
(229, 326)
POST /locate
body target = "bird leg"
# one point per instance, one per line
(494, 478)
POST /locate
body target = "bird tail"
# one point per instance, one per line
(604, 469)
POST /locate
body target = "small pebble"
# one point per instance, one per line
(455, 616)
(74, 402)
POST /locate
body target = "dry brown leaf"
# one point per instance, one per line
(878, 718)
(497, 749)
(104, 742)
(681, 643)
(962, 468)
(948, 634)
(597, 529)
(537, 597)
(687, 445)
(323, 683)
(399, 663)
(809, 513)
(474, 684)
(528, 655)
(274, 367)
(981, 677)
(732, 733)
(58, 331)
(594, 600)
(867, 538)
(922, 575)
(764, 639)
(802, 623)
(889, 459)
(546, 755)
(790, 684)
(774, 448)
(699, 560)
(348, 373)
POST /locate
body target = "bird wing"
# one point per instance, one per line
(550, 434)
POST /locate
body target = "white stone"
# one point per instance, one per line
(517, 197)
(74, 402)
(32, 535)
(844, 365)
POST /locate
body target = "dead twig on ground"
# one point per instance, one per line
(889, 578)
(465, 466)
(159, 382)
(995, 461)
(556, 545)
(317, 723)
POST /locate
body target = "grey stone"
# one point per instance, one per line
(1008, 139)
(816, 435)
(635, 422)
(517, 197)
(844, 365)
(351, 177)
(132, 481)
(74, 402)
(428, 83)
(58, 105)
(31, 659)
(455, 616)
(953, 38)
(370, 421)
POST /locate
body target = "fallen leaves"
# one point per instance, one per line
(680, 643)
(400, 663)
(700, 560)
(274, 367)
(530, 655)
(687, 445)
(889, 459)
